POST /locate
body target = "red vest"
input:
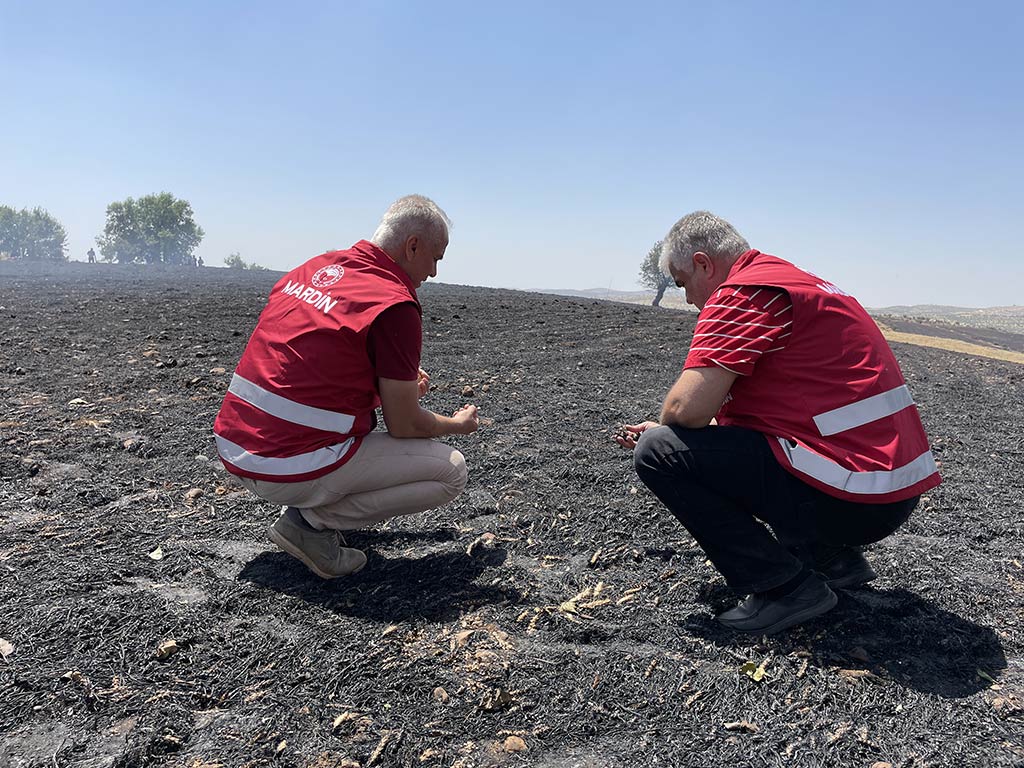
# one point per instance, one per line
(304, 392)
(833, 403)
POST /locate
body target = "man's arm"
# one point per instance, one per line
(696, 397)
(399, 403)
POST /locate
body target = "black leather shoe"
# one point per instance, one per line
(845, 569)
(759, 615)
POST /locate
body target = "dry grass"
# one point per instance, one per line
(951, 345)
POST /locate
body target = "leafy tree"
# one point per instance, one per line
(155, 229)
(235, 261)
(651, 275)
(32, 235)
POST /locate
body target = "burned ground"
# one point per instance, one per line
(555, 615)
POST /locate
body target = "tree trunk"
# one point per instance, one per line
(657, 299)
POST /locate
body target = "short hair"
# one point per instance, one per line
(408, 216)
(700, 231)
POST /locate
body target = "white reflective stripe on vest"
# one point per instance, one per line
(873, 483)
(281, 467)
(289, 410)
(863, 411)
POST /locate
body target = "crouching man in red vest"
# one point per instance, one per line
(341, 335)
(817, 434)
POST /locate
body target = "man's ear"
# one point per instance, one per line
(411, 244)
(702, 261)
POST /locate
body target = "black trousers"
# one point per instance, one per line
(724, 483)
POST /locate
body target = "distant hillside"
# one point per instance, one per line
(1009, 319)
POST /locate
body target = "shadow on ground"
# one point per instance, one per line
(435, 587)
(893, 633)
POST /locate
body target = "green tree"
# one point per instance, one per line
(651, 275)
(235, 261)
(155, 229)
(32, 235)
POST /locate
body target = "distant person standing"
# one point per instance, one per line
(339, 336)
(817, 433)
(91, 256)
(199, 261)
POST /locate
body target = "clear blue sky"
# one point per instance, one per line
(879, 144)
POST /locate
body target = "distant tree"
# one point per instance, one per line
(155, 229)
(651, 275)
(32, 235)
(235, 261)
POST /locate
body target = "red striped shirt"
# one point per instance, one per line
(738, 326)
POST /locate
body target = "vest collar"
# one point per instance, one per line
(379, 256)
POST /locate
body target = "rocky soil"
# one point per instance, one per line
(555, 615)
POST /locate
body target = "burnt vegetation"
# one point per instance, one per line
(554, 615)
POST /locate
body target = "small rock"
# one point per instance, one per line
(166, 649)
(218, 371)
(467, 391)
(484, 541)
(515, 744)
(440, 695)
(193, 494)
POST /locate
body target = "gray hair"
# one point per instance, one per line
(701, 231)
(408, 216)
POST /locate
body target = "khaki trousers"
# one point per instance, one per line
(386, 478)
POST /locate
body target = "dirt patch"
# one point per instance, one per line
(581, 634)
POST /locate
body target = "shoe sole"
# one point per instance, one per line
(791, 621)
(298, 554)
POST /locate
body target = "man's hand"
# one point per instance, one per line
(630, 433)
(467, 419)
(422, 382)
(404, 417)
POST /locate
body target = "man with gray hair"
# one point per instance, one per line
(791, 410)
(340, 336)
